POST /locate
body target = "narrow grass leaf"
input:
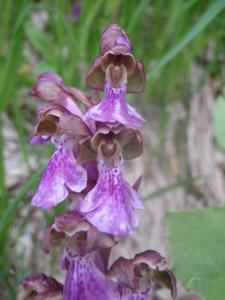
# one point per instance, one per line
(10, 212)
(137, 15)
(205, 19)
(171, 187)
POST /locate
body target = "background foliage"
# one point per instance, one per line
(170, 37)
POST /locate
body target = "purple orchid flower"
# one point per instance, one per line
(66, 130)
(116, 72)
(85, 260)
(110, 206)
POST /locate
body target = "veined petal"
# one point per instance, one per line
(114, 109)
(84, 281)
(110, 205)
(61, 175)
(128, 294)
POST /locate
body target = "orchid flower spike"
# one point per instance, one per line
(86, 169)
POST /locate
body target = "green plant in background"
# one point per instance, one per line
(169, 36)
(218, 122)
(197, 246)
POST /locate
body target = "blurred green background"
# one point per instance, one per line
(169, 36)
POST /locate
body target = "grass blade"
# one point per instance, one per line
(205, 19)
(10, 212)
(169, 188)
(136, 17)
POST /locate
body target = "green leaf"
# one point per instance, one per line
(219, 122)
(205, 19)
(10, 213)
(197, 248)
(41, 42)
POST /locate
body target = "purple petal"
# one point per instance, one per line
(84, 281)
(61, 175)
(115, 109)
(39, 139)
(110, 205)
(92, 170)
(128, 294)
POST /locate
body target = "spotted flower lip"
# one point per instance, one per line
(84, 280)
(115, 47)
(61, 176)
(110, 205)
(40, 286)
(114, 109)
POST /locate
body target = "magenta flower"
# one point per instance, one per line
(116, 72)
(110, 206)
(66, 131)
